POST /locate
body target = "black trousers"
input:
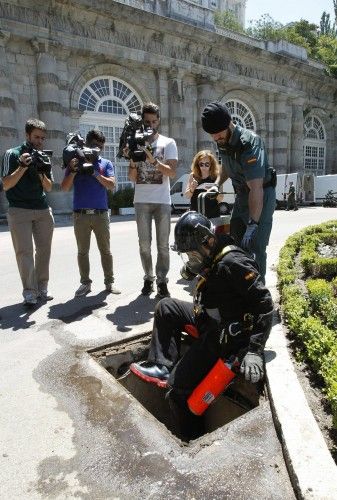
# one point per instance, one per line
(171, 315)
(187, 372)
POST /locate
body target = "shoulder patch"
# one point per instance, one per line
(250, 275)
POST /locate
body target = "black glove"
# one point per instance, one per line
(252, 367)
(248, 237)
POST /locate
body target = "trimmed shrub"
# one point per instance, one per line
(310, 307)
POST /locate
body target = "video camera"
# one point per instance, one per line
(76, 148)
(40, 159)
(134, 134)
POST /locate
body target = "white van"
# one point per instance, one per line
(304, 187)
(180, 202)
(323, 184)
(178, 198)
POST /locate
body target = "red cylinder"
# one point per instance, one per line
(210, 387)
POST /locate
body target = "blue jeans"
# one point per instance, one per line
(161, 214)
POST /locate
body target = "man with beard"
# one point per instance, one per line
(152, 200)
(30, 219)
(244, 160)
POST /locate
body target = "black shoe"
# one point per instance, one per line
(154, 374)
(147, 288)
(162, 290)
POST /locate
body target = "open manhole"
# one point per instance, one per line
(239, 398)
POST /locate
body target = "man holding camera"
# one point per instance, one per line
(152, 199)
(244, 160)
(26, 176)
(91, 181)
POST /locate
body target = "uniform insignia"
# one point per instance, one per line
(250, 276)
(252, 160)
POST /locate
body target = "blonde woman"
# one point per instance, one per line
(204, 170)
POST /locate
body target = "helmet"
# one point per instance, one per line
(192, 232)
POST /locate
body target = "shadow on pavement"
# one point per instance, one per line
(137, 312)
(17, 316)
(77, 308)
(269, 355)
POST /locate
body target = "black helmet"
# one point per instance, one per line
(192, 232)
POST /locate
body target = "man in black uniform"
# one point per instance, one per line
(229, 290)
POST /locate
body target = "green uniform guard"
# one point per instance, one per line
(244, 160)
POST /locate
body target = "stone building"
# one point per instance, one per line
(81, 64)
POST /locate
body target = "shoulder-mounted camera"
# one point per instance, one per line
(134, 135)
(76, 148)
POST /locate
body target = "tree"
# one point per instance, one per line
(327, 52)
(326, 28)
(226, 19)
(265, 28)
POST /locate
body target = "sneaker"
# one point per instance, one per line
(30, 300)
(148, 287)
(83, 290)
(44, 295)
(110, 288)
(162, 290)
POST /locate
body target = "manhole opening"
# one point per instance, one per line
(116, 358)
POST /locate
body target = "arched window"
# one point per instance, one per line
(314, 146)
(241, 114)
(105, 103)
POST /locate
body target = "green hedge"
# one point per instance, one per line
(121, 198)
(308, 290)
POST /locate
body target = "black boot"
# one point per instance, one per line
(155, 374)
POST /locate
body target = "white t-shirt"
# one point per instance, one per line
(151, 185)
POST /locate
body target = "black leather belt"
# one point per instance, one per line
(90, 211)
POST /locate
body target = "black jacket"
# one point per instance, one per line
(234, 286)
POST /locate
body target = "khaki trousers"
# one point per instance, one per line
(84, 224)
(28, 226)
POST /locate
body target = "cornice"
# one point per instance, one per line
(190, 51)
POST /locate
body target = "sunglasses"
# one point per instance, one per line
(202, 164)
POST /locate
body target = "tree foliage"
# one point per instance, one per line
(265, 28)
(320, 41)
(226, 19)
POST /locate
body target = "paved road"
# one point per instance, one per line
(54, 428)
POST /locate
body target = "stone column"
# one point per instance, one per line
(281, 135)
(296, 138)
(176, 113)
(270, 127)
(49, 106)
(204, 93)
(162, 93)
(8, 132)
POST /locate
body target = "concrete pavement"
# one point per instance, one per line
(69, 431)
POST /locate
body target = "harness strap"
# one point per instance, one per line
(222, 253)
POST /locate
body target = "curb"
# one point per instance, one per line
(311, 468)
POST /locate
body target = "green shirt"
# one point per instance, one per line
(244, 158)
(28, 191)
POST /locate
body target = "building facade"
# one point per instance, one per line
(82, 65)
